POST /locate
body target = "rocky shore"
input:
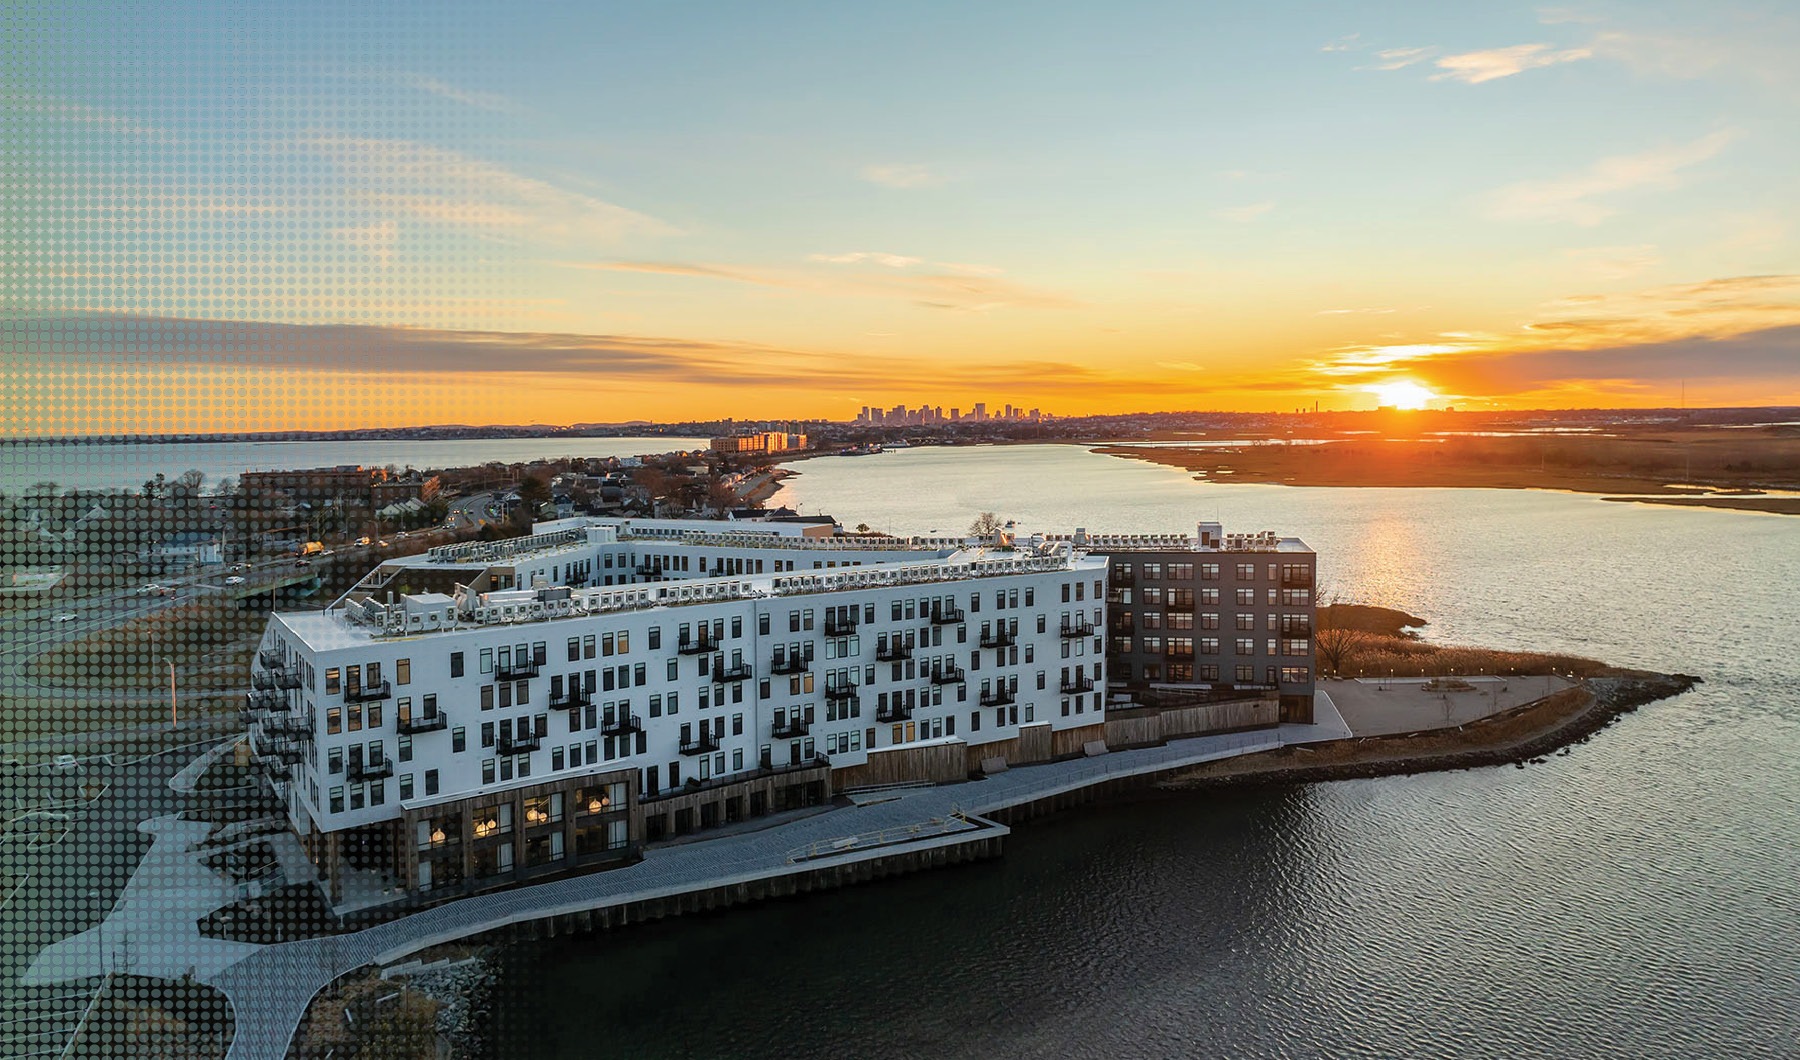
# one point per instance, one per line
(1516, 736)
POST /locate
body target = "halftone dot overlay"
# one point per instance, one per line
(206, 208)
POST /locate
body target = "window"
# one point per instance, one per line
(431, 782)
(459, 739)
(337, 800)
(403, 671)
(574, 649)
(1181, 572)
(1246, 674)
(332, 681)
(1246, 597)
(1291, 675)
(405, 749)
(334, 720)
(355, 717)
(375, 715)
(487, 697)
(1246, 646)
(334, 760)
(487, 734)
(487, 660)
(456, 664)
(1209, 572)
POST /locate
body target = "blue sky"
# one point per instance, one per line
(1088, 207)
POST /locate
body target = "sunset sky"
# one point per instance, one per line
(239, 217)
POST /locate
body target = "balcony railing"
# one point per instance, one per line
(999, 638)
(840, 627)
(359, 771)
(622, 723)
(513, 743)
(734, 672)
(1076, 685)
(790, 664)
(793, 728)
(572, 699)
(767, 769)
(418, 723)
(948, 675)
(270, 658)
(699, 745)
(516, 671)
(266, 700)
(893, 712)
(998, 697)
(367, 693)
(647, 571)
(287, 679)
(1078, 629)
(701, 646)
(893, 653)
(837, 691)
(262, 680)
(947, 616)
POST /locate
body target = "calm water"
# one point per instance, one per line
(129, 464)
(1638, 897)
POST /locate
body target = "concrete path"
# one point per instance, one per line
(153, 927)
(1374, 706)
(1328, 724)
(190, 774)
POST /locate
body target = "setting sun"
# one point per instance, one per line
(1403, 394)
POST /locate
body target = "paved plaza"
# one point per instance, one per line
(1375, 706)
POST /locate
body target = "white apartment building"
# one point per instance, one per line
(488, 713)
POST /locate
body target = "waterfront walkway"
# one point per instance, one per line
(270, 987)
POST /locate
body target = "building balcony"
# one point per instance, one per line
(840, 627)
(418, 723)
(948, 616)
(700, 646)
(516, 671)
(793, 728)
(266, 700)
(621, 724)
(572, 699)
(998, 697)
(512, 743)
(283, 725)
(699, 745)
(647, 572)
(360, 771)
(367, 693)
(790, 664)
(893, 653)
(262, 680)
(948, 675)
(1076, 630)
(999, 639)
(839, 692)
(893, 712)
(734, 672)
(287, 679)
(270, 658)
(1076, 685)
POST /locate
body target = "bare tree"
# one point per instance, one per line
(987, 524)
(1336, 641)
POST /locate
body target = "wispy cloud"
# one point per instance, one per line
(376, 240)
(1577, 198)
(857, 257)
(1370, 310)
(900, 175)
(1348, 43)
(446, 187)
(81, 114)
(940, 289)
(1614, 263)
(1244, 214)
(489, 101)
(1494, 63)
(1181, 366)
(1399, 58)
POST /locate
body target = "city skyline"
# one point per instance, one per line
(318, 217)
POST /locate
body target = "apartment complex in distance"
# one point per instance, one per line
(758, 443)
(489, 713)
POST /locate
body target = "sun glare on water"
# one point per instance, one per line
(1403, 394)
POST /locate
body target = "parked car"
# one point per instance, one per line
(234, 580)
(65, 618)
(151, 588)
(66, 762)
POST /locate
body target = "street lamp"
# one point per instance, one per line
(174, 720)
